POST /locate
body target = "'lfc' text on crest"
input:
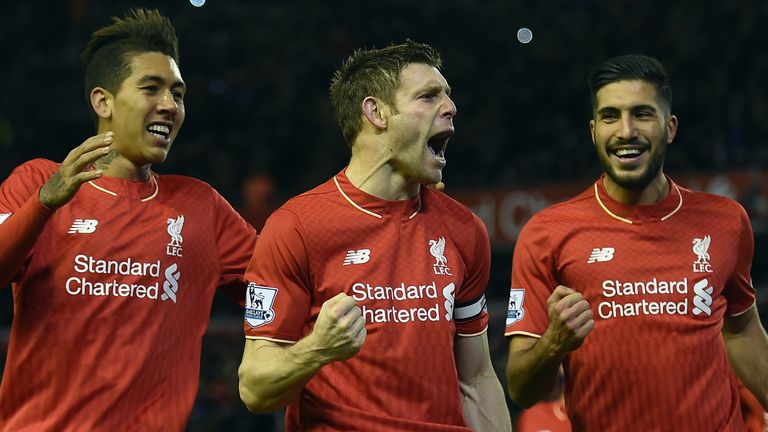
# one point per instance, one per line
(437, 249)
(701, 249)
(173, 248)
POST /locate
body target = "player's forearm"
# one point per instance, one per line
(747, 345)
(19, 234)
(271, 377)
(532, 373)
(485, 408)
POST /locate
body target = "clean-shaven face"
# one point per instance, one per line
(148, 109)
(422, 125)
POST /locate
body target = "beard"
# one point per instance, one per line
(637, 180)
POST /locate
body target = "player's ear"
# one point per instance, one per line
(592, 131)
(671, 128)
(101, 102)
(374, 111)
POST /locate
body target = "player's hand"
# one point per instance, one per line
(570, 319)
(73, 172)
(339, 331)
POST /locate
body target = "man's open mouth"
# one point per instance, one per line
(438, 142)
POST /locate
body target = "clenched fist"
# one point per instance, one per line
(570, 319)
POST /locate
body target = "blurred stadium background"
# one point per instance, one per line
(260, 128)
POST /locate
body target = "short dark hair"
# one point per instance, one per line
(373, 72)
(632, 67)
(108, 55)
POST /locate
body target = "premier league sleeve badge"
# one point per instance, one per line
(258, 305)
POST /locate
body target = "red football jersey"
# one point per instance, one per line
(545, 416)
(659, 280)
(113, 300)
(418, 270)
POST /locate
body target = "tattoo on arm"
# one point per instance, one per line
(55, 183)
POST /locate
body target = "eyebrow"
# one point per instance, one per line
(635, 108)
(435, 87)
(160, 80)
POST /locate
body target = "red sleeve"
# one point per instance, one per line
(738, 289)
(235, 241)
(471, 311)
(22, 216)
(533, 281)
(278, 297)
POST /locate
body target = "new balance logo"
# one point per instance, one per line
(361, 256)
(601, 255)
(83, 226)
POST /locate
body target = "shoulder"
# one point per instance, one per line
(708, 204)
(190, 188)
(28, 177)
(309, 202)
(42, 168)
(466, 229)
(436, 201)
(572, 210)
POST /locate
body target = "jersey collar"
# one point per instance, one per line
(374, 206)
(144, 190)
(660, 211)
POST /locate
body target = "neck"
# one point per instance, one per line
(115, 165)
(654, 192)
(371, 171)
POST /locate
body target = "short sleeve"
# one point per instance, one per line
(235, 241)
(532, 281)
(739, 291)
(23, 184)
(471, 311)
(278, 296)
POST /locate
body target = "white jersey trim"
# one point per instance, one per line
(465, 335)
(745, 310)
(270, 339)
(354, 204)
(109, 192)
(522, 333)
(615, 216)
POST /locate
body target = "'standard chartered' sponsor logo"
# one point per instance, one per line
(702, 299)
(655, 297)
(83, 226)
(102, 277)
(701, 249)
(515, 309)
(259, 302)
(423, 302)
(173, 248)
(437, 249)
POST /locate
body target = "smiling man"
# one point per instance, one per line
(114, 266)
(374, 315)
(638, 286)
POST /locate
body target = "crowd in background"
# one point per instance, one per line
(260, 129)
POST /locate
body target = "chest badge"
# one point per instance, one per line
(437, 249)
(173, 248)
(701, 249)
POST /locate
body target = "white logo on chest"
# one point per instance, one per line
(437, 249)
(701, 249)
(83, 226)
(173, 248)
